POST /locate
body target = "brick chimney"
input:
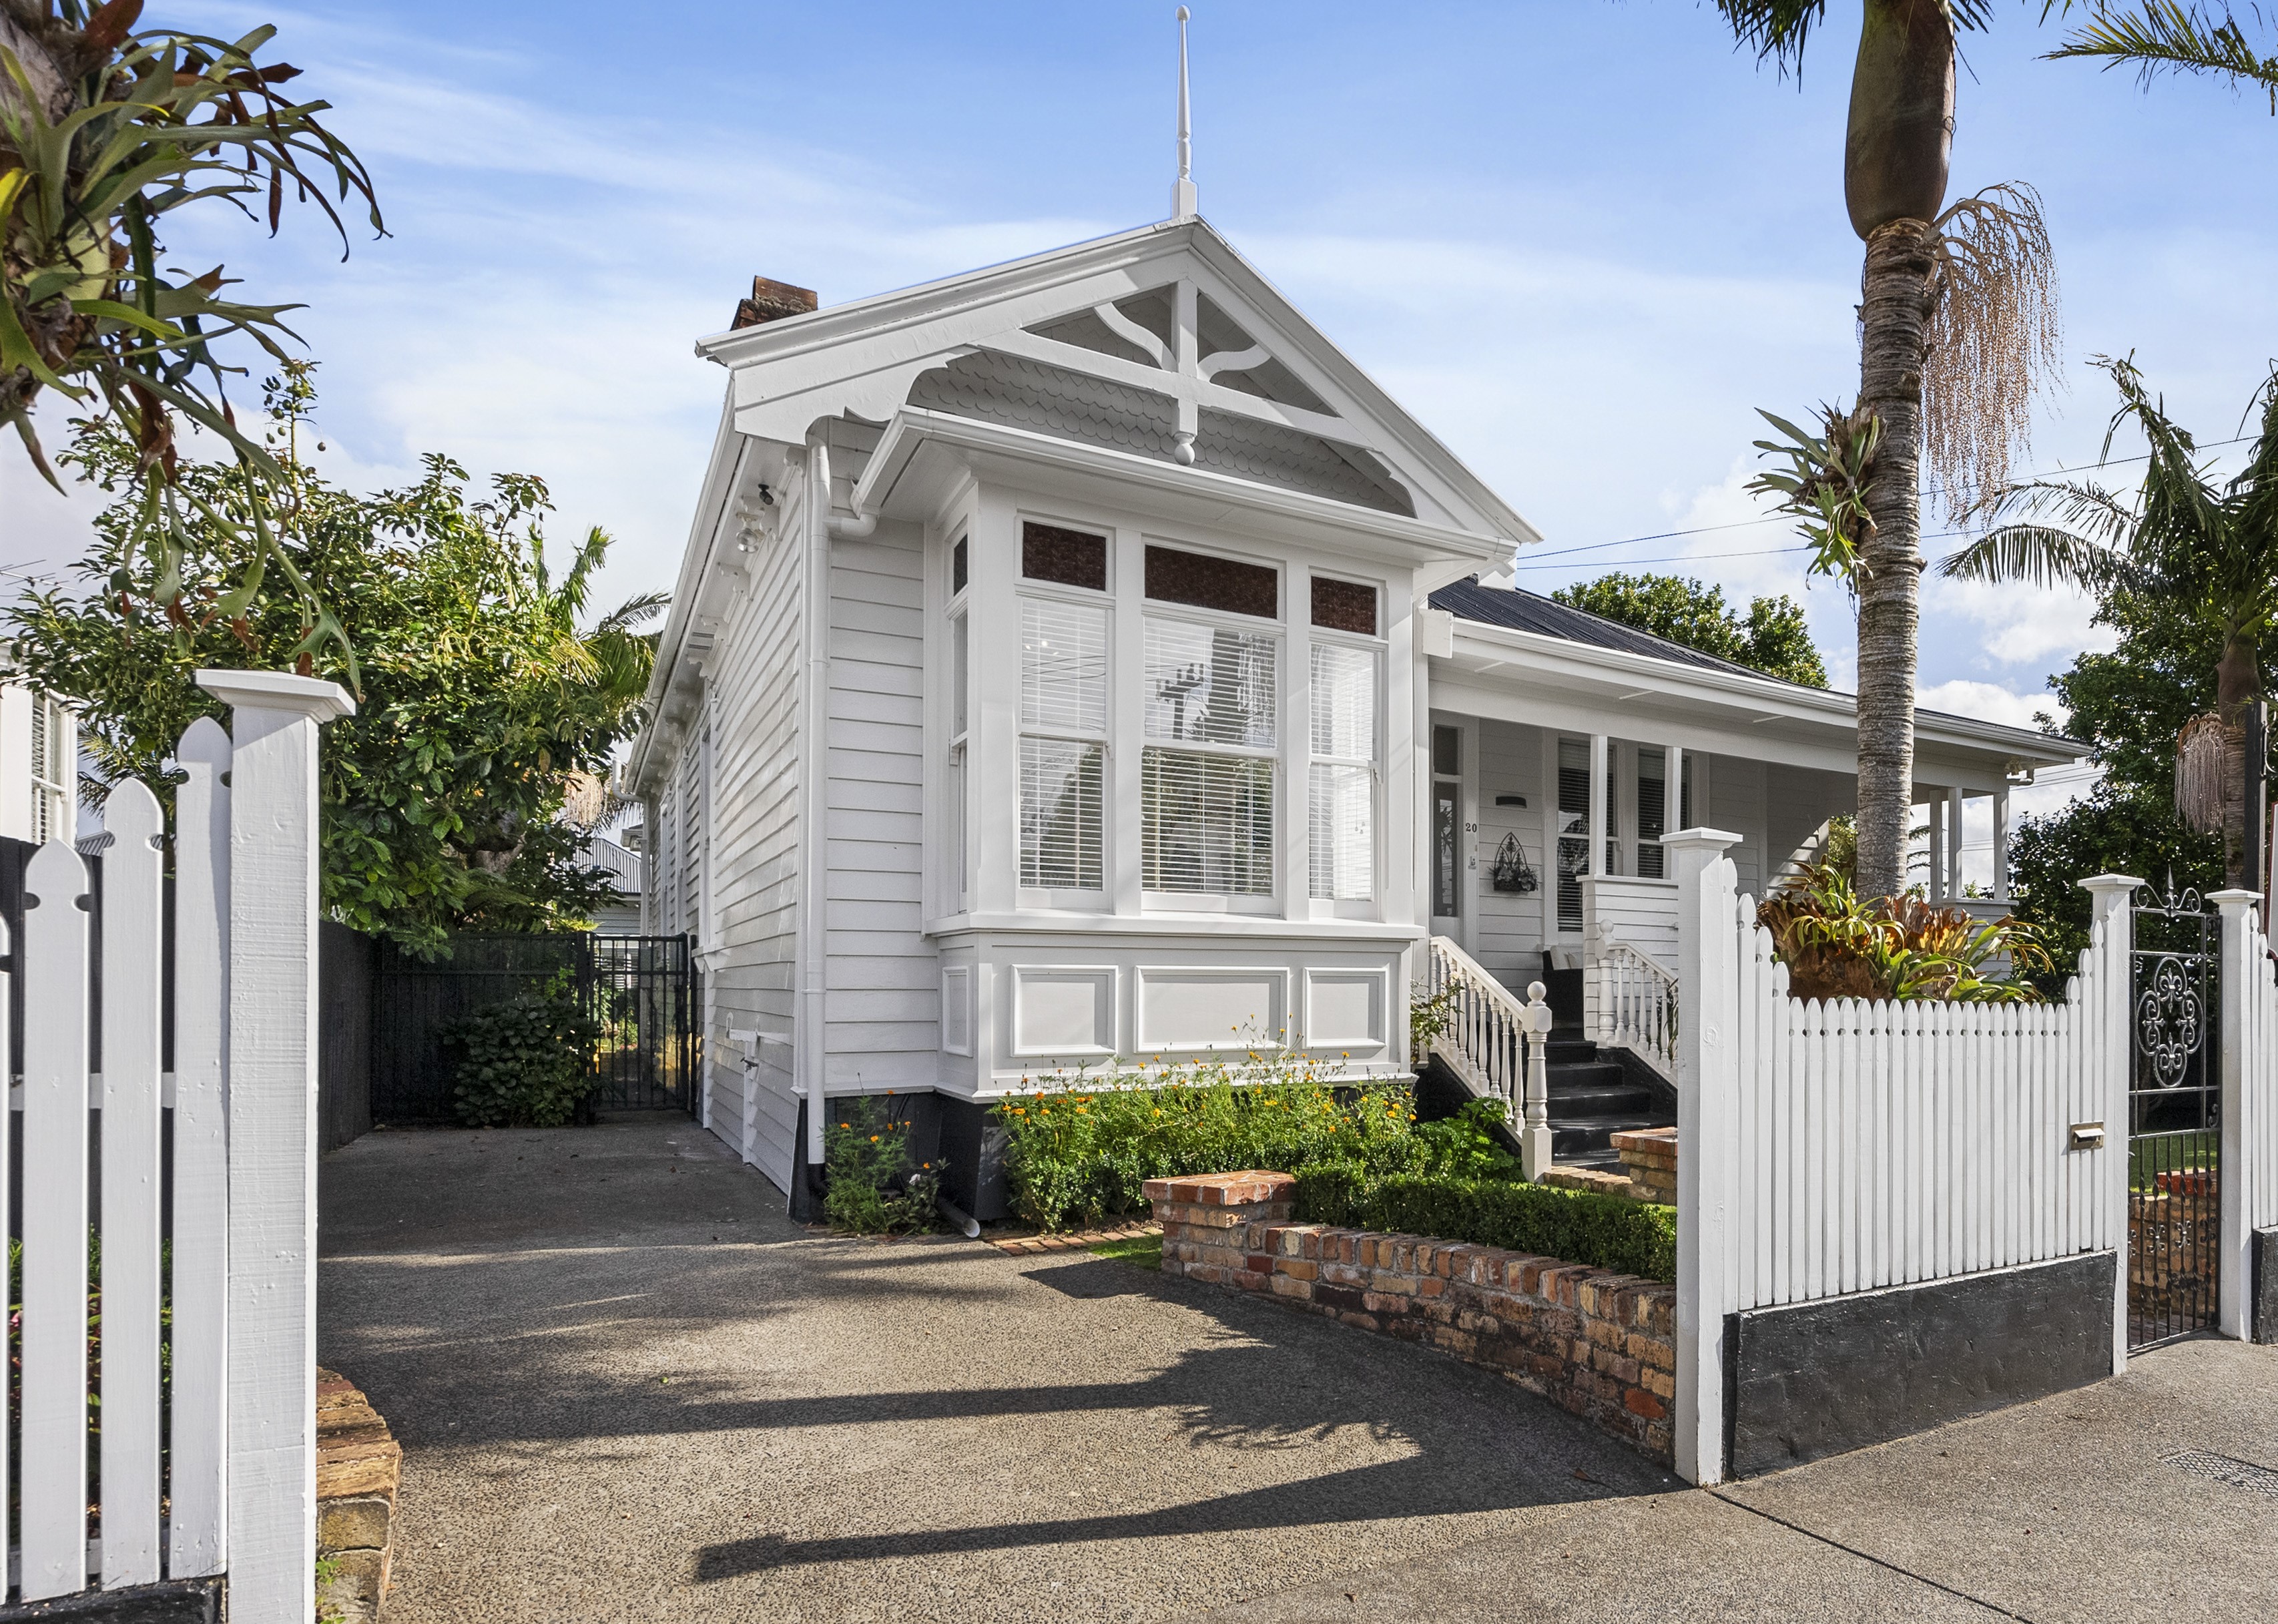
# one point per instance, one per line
(772, 302)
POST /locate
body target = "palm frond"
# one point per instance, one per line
(633, 611)
(2074, 504)
(1779, 29)
(2167, 36)
(2042, 556)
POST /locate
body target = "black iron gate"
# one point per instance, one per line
(639, 990)
(2175, 1128)
(642, 990)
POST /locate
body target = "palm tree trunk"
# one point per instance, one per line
(1894, 317)
(2237, 683)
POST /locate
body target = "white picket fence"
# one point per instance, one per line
(235, 1490)
(1840, 1147)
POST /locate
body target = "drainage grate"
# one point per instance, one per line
(2238, 1474)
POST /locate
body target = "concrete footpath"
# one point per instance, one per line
(627, 1388)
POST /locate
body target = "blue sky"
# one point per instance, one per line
(1582, 241)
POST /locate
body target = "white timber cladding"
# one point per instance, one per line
(882, 998)
(738, 891)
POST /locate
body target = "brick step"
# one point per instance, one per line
(1587, 1141)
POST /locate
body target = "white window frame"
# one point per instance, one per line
(55, 753)
(1276, 632)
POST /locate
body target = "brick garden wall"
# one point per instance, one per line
(1600, 1344)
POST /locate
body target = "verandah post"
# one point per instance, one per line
(2109, 895)
(1708, 994)
(2235, 965)
(273, 902)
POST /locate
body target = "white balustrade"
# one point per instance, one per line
(1636, 1005)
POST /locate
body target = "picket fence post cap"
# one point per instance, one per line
(2231, 902)
(1699, 840)
(2101, 882)
(309, 696)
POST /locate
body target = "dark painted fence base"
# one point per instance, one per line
(175, 1601)
(2262, 1313)
(1819, 1378)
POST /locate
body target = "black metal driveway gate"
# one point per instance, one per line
(640, 990)
(2174, 1123)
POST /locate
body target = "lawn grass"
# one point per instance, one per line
(2175, 1153)
(1139, 1250)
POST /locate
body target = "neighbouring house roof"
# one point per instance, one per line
(623, 866)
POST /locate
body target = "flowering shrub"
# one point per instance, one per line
(1082, 1149)
(871, 1188)
(1836, 945)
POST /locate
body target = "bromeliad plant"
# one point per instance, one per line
(1836, 945)
(105, 133)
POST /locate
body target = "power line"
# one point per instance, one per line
(1782, 518)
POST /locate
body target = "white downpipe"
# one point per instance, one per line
(849, 529)
(815, 703)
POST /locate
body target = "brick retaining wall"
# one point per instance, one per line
(1600, 1344)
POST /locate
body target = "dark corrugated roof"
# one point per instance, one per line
(1527, 611)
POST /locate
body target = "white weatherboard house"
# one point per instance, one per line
(1081, 657)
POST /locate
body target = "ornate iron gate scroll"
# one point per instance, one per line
(2174, 1137)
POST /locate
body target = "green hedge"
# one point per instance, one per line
(1580, 1226)
(1081, 1154)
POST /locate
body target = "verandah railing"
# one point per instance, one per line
(204, 1465)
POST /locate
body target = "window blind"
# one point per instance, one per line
(1060, 814)
(1206, 822)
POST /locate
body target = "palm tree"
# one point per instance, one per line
(1957, 326)
(2181, 537)
(2166, 37)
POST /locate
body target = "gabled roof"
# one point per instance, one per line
(1177, 325)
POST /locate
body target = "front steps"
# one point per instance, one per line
(1591, 1099)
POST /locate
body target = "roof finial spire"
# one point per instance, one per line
(1182, 191)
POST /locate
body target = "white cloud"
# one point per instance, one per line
(1988, 701)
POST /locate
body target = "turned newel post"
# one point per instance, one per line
(1535, 1135)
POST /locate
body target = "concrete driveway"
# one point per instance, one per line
(628, 1388)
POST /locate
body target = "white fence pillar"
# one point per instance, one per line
(274, 901)
(1708, 981)
(2112, 934)
(1534, 1136)
(2236, 967)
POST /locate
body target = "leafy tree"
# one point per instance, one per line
(2197, 561)
(105, 133)
(2166, 37)
(483, 705)
(1957, 325)
(2127, 705)
(1773, 638)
